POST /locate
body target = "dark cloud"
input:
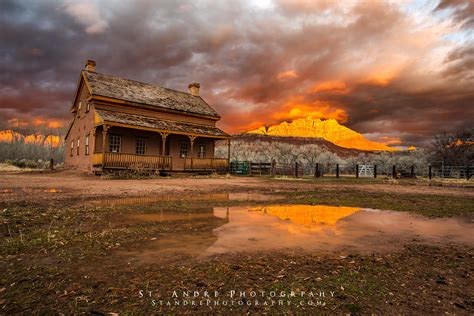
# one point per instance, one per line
(369, 64)
(463, 11)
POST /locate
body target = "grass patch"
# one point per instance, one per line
(424, 204)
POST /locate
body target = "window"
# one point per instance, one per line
(114, 143)
(183, 150)
(140, 146)
(88, 106)
(78, 143)
(201, 151)
(72, 148)
(86, 145)
(79, 106)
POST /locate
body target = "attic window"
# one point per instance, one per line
(79, 106)
(88, 106)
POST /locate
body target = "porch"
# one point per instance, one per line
(137, 148)
(124, 161)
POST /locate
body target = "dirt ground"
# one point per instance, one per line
(67, 241)
(88, 185)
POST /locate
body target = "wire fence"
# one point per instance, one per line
(297, 169)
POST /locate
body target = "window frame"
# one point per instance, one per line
(119, 145)
(86, 145)
(142, 146)
(78, 146)
(202, 153)
(183, 150)
(72, 148)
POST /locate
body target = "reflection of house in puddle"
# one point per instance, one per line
(189, 234)
(150, 199)
(308, 215)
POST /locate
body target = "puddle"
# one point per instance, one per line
(143, 200)
(300, 227)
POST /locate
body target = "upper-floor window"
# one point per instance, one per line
(77, 147)
(72, 148)
(140, 146)
(201, 151)
(114, 143)
(183, 150)
(86, 145)
(79, 106)
(88, 106)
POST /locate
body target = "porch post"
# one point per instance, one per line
(105, 128)
(191, 139)
(163, 141)
(228, 154)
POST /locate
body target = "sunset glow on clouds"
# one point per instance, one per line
(396, 71)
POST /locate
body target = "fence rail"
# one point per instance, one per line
(206, 164)
(298, 169)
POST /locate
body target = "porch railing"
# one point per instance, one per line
(131, 161)
(206, 163)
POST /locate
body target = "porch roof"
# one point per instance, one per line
(159, 125)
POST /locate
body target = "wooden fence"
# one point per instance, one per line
(317, 170)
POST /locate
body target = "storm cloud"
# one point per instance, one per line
(397, 73)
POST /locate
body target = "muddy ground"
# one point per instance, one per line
(69, 242)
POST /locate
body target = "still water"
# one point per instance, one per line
(315, 228)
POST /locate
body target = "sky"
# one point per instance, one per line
(396, 71)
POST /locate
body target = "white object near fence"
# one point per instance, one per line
(366, 170)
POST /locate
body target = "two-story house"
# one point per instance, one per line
(124, 124)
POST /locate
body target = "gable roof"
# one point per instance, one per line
(147, 94)
(153, 123)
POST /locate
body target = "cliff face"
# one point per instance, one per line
(9, 136)
(329, 130)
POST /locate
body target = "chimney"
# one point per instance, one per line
(90, 65)
(193, 88)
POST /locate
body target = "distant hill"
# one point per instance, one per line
(10, 136)
(254, 141)
(329, 130)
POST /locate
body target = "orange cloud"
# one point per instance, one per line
(334, 87)
(381, 77)
(287, 75)
(37, 121)
(389, 140)
(297, 107)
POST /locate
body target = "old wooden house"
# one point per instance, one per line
(124, 124)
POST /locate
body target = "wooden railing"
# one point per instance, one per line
(206, 163)
(132, 161)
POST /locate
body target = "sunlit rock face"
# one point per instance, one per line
(9, 136)
(308, 215)
(329, 130)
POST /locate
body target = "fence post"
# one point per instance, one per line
(337, 170)
(394, 172)
(296, 169)
(51, 165)
(250, 168)
(412, 171)
(273, 167)
(357, 171)
(467, 172)
(316, 171)
(375, 171)
(430, 174)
